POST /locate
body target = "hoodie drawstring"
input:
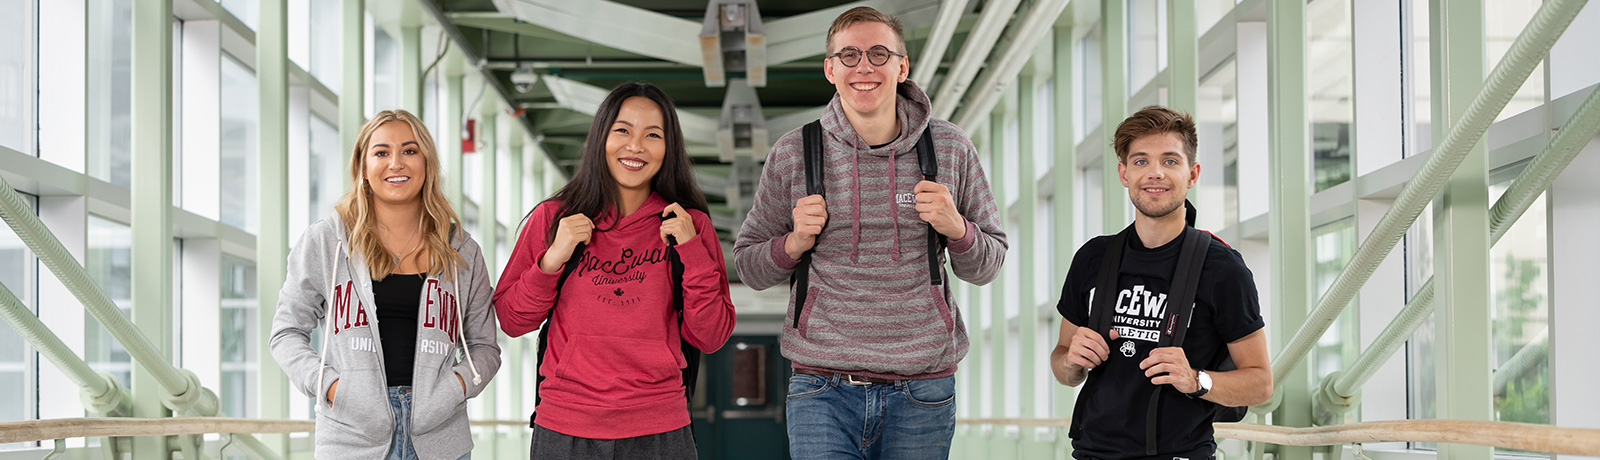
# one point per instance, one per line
(894, 205)
(460, 331)
(855, 198)
(327, 324)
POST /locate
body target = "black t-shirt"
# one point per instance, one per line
(397, 297)
(1117, 394)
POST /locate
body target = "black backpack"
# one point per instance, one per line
(691, 355)
(927, 160)
(1185, 282)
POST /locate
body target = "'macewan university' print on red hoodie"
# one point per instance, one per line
(613, 369)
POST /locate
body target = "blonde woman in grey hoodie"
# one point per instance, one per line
(403, 299)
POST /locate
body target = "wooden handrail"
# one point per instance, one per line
(94, 427)
(1512, 435)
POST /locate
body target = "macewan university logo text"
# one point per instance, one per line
(1139, 313)
(441, 311)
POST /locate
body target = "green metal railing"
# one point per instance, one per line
(184, 394)
(1530, 47)
(1341, 386)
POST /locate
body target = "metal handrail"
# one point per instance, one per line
(1530, 47)
(185, 394)
(100, 391)
(1524, 190)
(1511, 435)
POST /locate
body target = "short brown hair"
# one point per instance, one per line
(1151, 120)
(865, 14)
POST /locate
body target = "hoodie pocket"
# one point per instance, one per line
(807, 308)
(438, 402)
(620, 366)
(360, 407)
(944, 309)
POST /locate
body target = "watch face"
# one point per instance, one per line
(1205, 381)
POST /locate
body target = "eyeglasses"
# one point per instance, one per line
(850, 56)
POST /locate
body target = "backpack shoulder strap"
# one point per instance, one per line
(1179, 311)
(544, 330)
(1185, 283)
(691, 355)
(811, 135)
(1105, 288)
(928, 161)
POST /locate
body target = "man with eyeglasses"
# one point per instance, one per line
(872, 331)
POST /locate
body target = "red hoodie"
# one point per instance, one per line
(614, 367)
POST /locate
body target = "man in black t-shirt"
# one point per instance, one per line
(1156, 149)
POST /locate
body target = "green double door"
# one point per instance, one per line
(738, 405)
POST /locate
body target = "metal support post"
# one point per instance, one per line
(352, 85)
(150, 204)
(272, 241)
(1114, 107)
(411, 76)
(1463, 361)
(1063, 199)
(1289, 214)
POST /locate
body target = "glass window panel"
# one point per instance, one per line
(1330, 78)
(110, 90)
(109, 262)
(238, 146)
(325, 43)
(1208, 12)
(385, 71)
(1146, 42)
(1518, 279)
(1042, 242)
(1011, 151)
(329, 169)
(1088, 84)
(1334, 244)
(245, 10)
(1504, 20)
(18, 380)
(1422, 395)
(1044, 122)
(238, 328)
(1417, 64)
(18, 69)
(1011, 274)
(1217, 125)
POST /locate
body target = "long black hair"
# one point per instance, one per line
(593, 191)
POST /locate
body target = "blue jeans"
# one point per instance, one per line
(400, 447)
(829, 418)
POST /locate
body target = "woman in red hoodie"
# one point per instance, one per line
(613, 384)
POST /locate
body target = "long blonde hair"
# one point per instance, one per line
(438, 218)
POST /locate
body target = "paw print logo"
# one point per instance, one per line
(618, 292)
(1128, 348)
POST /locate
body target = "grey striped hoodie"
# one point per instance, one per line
(871, 309)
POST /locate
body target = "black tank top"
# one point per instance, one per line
(397, 297)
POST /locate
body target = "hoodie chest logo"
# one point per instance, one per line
(626, 268)
(441, 311)
(344, 317)
(907, 199)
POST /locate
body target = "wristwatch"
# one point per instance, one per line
(1204, 380)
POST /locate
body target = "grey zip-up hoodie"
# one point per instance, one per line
(453, 315)
(871, 308)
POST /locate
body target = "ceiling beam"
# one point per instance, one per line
(944, 28)
(973, 53)
(627, 28)
(1035, 26)
(802, 36)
